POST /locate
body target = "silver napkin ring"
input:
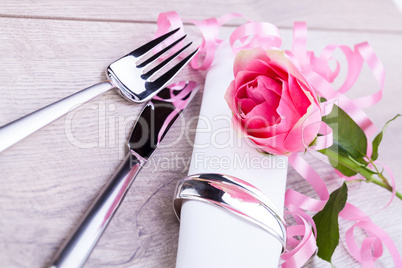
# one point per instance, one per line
(234, 195)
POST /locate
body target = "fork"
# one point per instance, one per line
(125, 74)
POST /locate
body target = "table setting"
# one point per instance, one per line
(232, 137)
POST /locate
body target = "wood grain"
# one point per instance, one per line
(366, 15)
(48, 180)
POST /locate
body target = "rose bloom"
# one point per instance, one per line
(272, 103)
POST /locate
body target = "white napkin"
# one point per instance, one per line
(209, 235)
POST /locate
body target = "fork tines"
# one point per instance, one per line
(136, 74)
(142, 50)
(168, 75)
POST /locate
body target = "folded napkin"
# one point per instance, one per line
(209, 235)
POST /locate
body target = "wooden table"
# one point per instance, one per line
(51, 49)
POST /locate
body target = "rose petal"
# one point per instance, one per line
(273, 145)
(275, 89)
(244, 77)
(257, 68)
(298, 96)
(259, 92)
(281, 60)
(278, 62)
(262, 67)
(310, 93)
(244, 57)
(263, 115)
(287, 111)
(244, 106)
(241, 92)
(304, 131)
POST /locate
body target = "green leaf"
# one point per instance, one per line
(377, 140)
(326, 222)
(350, 143)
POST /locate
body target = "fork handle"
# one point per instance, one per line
(21, 128)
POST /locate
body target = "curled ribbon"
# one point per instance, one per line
(180, 100)
(319, 75)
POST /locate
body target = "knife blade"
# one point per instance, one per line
(154, 122)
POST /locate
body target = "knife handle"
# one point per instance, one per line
(77, 248)
(21, 128)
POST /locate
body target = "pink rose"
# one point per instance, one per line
(272, 103)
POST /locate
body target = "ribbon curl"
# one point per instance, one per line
(319, 75)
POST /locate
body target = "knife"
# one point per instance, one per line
(156, 118)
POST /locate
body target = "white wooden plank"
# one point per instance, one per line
(343, 14)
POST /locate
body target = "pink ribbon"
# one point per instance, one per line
(319, 75)
(179, 100)
(371, 248)
(299, 251)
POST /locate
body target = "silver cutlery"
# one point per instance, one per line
(125, 74)
(153, 123)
